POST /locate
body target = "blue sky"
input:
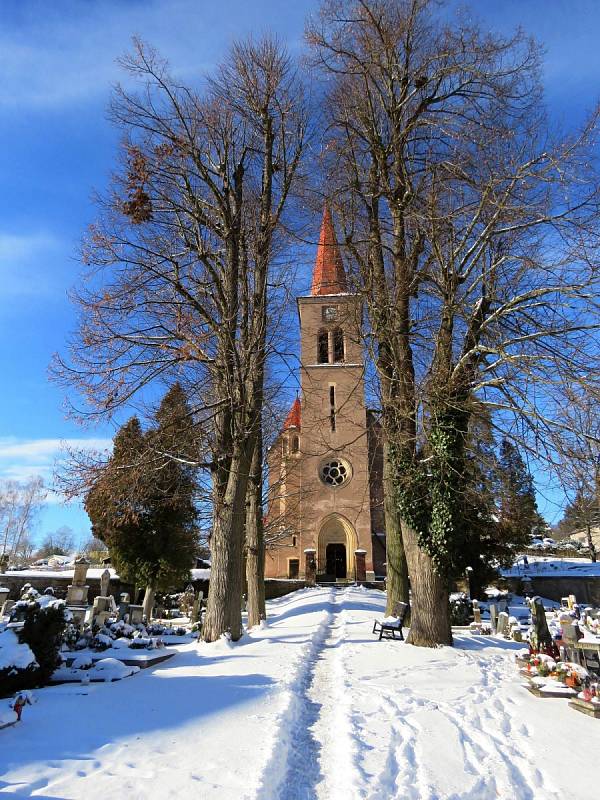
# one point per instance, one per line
(57, 63)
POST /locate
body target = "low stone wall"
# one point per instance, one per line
(586, 590)
(278, 587)
(60, 585)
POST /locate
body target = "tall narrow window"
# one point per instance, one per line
(322, 347)
(295, 444)
(338, 345)
(332, 407)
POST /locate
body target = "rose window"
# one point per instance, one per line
(335, 472)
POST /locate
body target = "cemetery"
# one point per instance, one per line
(518, 665)
(300, 444)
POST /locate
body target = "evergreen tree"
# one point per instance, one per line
(519, 515)
(142, 505)
(499, 507)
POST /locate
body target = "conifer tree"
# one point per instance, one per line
(519, 514)
(142, 505)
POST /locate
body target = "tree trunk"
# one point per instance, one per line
(397, 583)
(224, 605)
(430, 619)
(255, 545)
(590, 542)
(148, 603)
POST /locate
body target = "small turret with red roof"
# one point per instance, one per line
(294, 417)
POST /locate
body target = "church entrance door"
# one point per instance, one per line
(335, 556)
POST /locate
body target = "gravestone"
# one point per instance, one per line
(571, 600)
(476, 612)
(539, 637)
(77, 592)
(123, 605)
(502, 628)
(136, 614)
(493, 616)
(103, 608)
(104, 583)
(197, 608)
(570, 631)
(4, 592)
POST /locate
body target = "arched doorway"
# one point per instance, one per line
(337, 543)
(335, 560)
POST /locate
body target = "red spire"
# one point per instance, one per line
(328, 276)
(293, 418)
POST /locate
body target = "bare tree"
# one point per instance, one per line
(59, 542)
(578, 458)
(19, 505)
(474, 230)
(180, 265)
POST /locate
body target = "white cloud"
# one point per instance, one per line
(21, 459)
(54, 58)
(25, 263)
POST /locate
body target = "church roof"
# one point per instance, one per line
(294, 416)
(329, 276)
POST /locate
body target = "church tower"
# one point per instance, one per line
(319, 466)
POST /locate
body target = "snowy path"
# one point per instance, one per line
(319, 733)
(312, 706)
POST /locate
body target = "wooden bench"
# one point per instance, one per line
(390, 626)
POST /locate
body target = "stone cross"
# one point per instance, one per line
(104, 583)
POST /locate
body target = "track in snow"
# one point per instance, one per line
(318, 745)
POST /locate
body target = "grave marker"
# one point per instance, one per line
(502, 628)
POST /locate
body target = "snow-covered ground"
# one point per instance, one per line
(310, 706)
(553, 567)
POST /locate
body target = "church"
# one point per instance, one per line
(325, 518)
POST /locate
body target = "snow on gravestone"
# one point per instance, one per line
(502, 627)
